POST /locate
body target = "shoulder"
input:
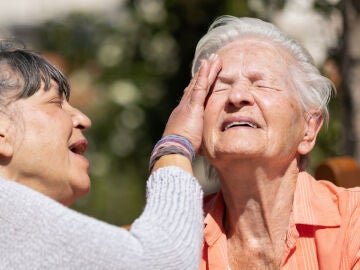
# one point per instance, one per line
(347, 200)
(17, 194)
(323, 195)
(350, 195)
(36, 210)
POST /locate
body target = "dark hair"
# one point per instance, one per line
(22, 71)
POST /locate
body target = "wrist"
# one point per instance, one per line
(172, 145)
(173, 160)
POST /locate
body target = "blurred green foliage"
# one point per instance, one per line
(128, 71)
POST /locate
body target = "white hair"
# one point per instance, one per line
(313, 89)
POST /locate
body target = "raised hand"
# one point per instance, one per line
(187, 118)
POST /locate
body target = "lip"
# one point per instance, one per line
(77, 150)
(233, 119)
(79, 147)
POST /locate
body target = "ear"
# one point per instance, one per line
(314, 122)
(6, 146)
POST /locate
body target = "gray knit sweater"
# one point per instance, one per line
(38, 233)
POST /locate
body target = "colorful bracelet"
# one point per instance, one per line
(171, 144)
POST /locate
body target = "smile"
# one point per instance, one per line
(242, 124)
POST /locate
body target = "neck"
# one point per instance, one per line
(258, 207)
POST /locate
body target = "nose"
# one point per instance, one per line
(79, 119)
(240, 95)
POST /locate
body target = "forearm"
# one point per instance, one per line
(39, 233)
(172, 222)
(174, 160)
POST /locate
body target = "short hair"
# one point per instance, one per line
(313, 89)
(22, 71)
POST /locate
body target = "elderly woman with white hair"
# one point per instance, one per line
(261, 119)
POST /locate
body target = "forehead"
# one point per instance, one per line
(255, 53)
(51, 87)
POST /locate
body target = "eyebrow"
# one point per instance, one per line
(251, 75)
(225, 77)
(256, 75)
(55, 87)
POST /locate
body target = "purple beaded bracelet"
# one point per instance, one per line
(171, 144)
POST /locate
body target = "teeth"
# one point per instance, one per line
(244, 123)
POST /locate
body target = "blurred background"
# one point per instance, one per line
(128, 62)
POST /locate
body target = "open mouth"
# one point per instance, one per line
(79, 147)
(240, 124)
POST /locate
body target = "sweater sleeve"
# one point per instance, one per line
(39, 233)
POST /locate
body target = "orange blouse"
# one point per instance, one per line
(324, 229)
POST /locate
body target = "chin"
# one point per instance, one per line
(83, 188)
(78, 194)
(80, 189)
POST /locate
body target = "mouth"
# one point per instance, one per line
(240, 124)
(79, 147)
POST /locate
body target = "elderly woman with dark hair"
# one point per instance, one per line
(261, 121)
(42, 164)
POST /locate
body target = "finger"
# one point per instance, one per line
(198, 83)
(199, 86)
(209, 72)
(215, 67)
(202, 86)
(187, 91)
(194, 79)
(201, 83)
(192, 82)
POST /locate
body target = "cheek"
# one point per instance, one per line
(59, 120)
(212, 116)
(209, 111)
(293, 124)
(207, 129)
(296, 112)
(283, 107)
(208, 125)
(215, 104)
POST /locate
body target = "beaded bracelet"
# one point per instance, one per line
(171, 144)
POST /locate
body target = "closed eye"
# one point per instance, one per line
(268, 87)
(220, 90)
(220, 86)
(57, 102)
(59, 99)
(267, 83)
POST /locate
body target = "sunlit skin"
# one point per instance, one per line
(250, 87)
(258, 163)
(45, 145)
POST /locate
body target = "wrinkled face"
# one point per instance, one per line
(253, 111)
(48, 145)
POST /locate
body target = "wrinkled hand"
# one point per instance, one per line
(187, 118)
